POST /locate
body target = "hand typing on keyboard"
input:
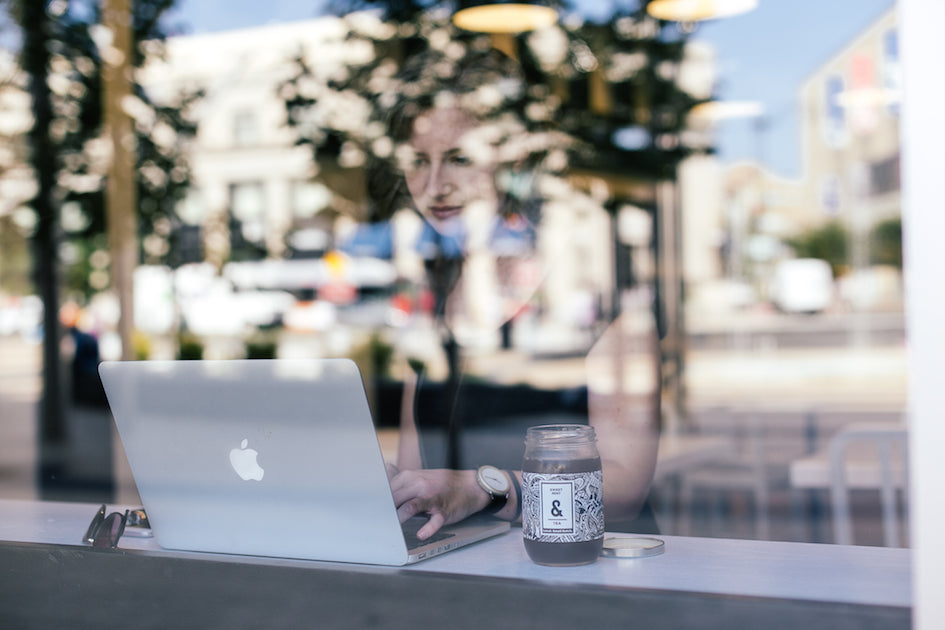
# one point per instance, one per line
(411, 527)
(446, 496)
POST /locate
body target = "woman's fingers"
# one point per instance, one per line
(443, 494)
(420, 505)
(409, 485)
(408, 510)
(437, 520)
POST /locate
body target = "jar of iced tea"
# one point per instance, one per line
(562, 495)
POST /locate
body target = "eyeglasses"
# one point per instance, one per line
(106, 529)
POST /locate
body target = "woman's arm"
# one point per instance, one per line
(623, 370)
(408, 445)
(624, 405)
(447, 496)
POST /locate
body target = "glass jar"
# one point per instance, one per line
(562, 495)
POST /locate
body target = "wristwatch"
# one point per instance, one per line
(496, 485)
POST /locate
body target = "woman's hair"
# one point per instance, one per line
(487, 83)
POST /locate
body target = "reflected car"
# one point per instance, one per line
(23, 316)
(802, 285)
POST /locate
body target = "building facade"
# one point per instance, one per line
(849, 133)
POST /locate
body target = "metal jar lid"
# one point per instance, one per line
(631, 547)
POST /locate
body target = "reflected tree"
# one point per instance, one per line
(593, 77)
(79, 155)
(614, 87)
(886, 243)
(830, 242)
(61, 55)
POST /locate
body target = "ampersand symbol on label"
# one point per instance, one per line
(555, 511)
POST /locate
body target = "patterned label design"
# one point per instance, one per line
(563, 507)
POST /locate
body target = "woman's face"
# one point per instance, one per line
(448, 166)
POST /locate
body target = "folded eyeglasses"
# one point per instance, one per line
(106, 529)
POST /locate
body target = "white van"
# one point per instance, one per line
(802, 285)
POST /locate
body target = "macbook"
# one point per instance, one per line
(265, 457)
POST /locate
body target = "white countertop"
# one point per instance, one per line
(802, 571)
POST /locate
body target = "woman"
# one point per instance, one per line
(471, 170)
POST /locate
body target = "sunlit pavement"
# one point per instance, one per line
(786, 387)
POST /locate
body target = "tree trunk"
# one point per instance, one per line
(120, 197)
(35, 62)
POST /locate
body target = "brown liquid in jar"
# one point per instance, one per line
(563, 553)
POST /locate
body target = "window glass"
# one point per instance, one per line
(500, 225)
(245, 128)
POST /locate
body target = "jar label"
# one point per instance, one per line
(563, 507)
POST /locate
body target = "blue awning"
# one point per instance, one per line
(433, 244)
(371, 240)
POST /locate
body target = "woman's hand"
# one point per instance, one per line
(447, 496)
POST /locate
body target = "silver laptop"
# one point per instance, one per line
(265, 457)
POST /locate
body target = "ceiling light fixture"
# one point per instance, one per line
(698, 10)
(504, 17)
(715, 111)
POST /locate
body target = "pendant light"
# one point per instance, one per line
(503, 17)
(698, 10)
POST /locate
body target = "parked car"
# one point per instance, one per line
(23, 316)
(802, 285)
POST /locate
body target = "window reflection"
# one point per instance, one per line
(758, 387)
(245, 128)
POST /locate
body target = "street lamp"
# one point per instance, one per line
(862, 102)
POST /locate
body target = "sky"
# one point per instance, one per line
(763, 56)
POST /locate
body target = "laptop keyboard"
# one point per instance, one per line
(412, 526)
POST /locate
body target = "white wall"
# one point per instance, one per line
(923, 144)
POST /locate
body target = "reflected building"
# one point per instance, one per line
(850, 128)
(251, 183)
(851, 106)
(849, 145)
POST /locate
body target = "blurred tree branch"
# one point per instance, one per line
(62, 48)
(162, 130)
(592, 79)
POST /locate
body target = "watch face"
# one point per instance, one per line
(494, 478)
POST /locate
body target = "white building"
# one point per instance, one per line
(245, 162)
(849, 141)
(850, 129)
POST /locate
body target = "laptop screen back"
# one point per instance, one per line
(260, 457)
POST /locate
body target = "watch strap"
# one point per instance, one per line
(496, 501)
(496, 504)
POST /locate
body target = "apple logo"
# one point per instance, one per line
(244, 462)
